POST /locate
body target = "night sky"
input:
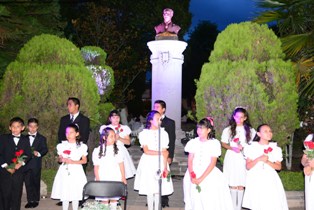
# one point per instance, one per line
(222, 12)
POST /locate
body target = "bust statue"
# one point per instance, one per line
(167, 29)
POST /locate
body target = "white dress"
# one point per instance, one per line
(123, 131)
(109, 169)
(264, 190)
(146, 179)
(70, 178)
(215, 193)
(309, 184)
(234, 163)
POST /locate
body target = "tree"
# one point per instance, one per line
(200, 44)
(21, 20)
(122, 29)
(46, 72)
(247, 69)
(295, 22)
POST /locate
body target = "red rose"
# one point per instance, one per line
(14, 160)
(164, 174)
(67, 152)
(236, 140)
(121, 130)
(193, 175)
(17, 153)
(269, 149)
(309, 144)
(116, 128)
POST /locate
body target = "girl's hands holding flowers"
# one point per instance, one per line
(263, 158)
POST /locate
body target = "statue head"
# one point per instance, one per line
(167, 14)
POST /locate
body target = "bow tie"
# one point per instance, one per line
(16, 136)
(32, 135)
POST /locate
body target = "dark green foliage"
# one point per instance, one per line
(21, 20)
(244, 73)
(292, 181)
(38, 86)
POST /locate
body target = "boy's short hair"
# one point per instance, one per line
(17, 119)
(76, 101)
(161, 102)
(32, 120)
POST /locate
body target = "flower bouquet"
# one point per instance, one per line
(309, 149)
(19, 158)
(193, 176)
(118, 129)
(95, 205)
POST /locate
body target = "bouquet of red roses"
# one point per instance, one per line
(309, 149)
(19, 158)
(168, 176)
(118, 129)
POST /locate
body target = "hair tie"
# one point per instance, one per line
(210, 120)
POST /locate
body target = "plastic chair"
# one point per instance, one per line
(106, 189)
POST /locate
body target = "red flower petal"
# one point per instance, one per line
(193, 175)
(236, 140)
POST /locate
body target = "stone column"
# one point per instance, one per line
(167, 60)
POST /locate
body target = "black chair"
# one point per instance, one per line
(106, 189)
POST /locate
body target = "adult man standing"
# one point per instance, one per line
(75, 117)
(170, 127)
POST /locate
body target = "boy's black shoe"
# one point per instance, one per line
(59, 203)
(35, 204)
(28, 205)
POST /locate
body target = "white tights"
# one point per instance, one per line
(153, 201)
(65, 205)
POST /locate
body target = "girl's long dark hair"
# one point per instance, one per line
(76, 128)
(206, 123)
(103, 142)
(149, 117)
(247, 125)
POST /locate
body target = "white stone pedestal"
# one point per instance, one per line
(167, 60)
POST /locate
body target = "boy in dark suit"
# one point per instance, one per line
(32, 171)
(11, 171)
(170, 127)
(75, 117)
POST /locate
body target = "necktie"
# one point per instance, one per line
(32, 136)
(17, 137)
(72, 118)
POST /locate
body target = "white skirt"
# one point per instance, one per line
(234, 168)
(309, 192)
(146, 179)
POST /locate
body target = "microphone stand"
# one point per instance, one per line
(159, 166)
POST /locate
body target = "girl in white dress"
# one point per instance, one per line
(309, 178)
(122, 138)
(148, 174)
(208, 188)
(264, 190)
(234, 139)
(70, 178)
(108, 163)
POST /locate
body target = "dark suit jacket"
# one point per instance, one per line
(170, 128)
(8, 149)
(39, 145)
(83, 123)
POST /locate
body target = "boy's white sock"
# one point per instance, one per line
(150, 202)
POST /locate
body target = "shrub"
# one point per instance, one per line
(246, 69)
(39, 82)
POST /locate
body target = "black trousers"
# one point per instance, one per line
(32, 184)
(11, 187)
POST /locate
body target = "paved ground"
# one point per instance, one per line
(136, 202)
